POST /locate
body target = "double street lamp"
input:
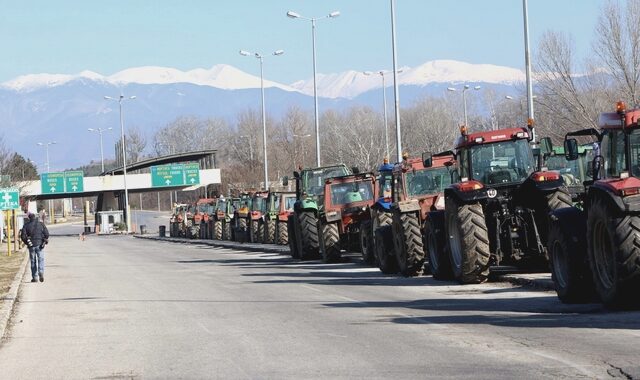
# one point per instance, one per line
(260, 57)
(313, 20)
(464, 98)
(99, 131)
(382, 74)
(46, 147)
(120, 99)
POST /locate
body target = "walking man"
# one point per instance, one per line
(35, 235)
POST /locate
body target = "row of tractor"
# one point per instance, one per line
(257, 217)
(498, 202)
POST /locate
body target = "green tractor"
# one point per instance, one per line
(574, 173)
(302, 225)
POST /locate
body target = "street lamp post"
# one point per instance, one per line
(313, 20)
(396, 90)
(382, 74)
(46, 147)
(99, 131)
(124, 159)
(260, 57)
(527, 61)
(464, 98)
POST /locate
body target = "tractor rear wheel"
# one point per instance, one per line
(614, 253)
(330, 242)
(283, 233)
(291, 232)
(554, 201)
(194, 231)
(217, 230)
(253, 231)
(366, 242)
(434, 243)
(384, 250)
(569, 269)
(308, 224)
(468, 242)
(269, 232)
(408, 243)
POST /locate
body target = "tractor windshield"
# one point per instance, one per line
(428, 181)
(385, 180)
(314, 179)
(222, 205)
(258, 203)
(351, 192)
(502, 162)
(289, 201)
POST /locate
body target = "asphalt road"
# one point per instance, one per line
(151, 219)
(120, 307)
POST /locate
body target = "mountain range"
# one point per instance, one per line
(60, 107)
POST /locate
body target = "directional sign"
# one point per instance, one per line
(52, 183)
(9, 199)
(167, 175)
(192, 174)
(74, 181)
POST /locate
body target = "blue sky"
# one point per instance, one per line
(108, 36)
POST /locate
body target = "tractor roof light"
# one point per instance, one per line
(479, 140)
(530, 123)
(620, 107)
(522, 135)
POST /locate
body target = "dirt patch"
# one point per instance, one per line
(9, 266)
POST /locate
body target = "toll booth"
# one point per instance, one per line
(106, 221)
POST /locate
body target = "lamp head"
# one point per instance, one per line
(450, 89)
(334, 14)
(245, 53)
(292, 14)
(278, 52)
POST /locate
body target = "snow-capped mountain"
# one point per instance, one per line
(350, 84)
(219, 76)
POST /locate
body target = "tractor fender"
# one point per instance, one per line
(407, 206)
(545, 187)
(572, 222)
(463, 197)
(306, 205)
(624, 204)
(382, 205)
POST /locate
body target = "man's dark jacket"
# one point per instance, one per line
(37, 231)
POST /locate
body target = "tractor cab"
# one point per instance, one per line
(574, 173)
(384, 183)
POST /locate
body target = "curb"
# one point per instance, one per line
(545, 284)
(269, 248)
(8, 302)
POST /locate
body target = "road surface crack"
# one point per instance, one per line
(617, 372)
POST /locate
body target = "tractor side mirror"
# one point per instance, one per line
(546, 147)
(571, 149)
(285, 180)
(296, 175)
(427, 159)
(355, 170)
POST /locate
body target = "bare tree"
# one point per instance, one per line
(136, 142)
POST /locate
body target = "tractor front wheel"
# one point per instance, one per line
(330, 242)
(269, 232)
(434, 242)
(282, 229)
(226, 230)
(308, 224)
(253, 231)
(569, 269)
(260, 235)
(217, 230)
(366, 243)
(468, 242)
(614, 253)
(293, 239)
(408, 243)
(384, 250)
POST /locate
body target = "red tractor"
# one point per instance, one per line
(256, 214)
(596, 246)
(497, 209)
(201, 213)
(279, 206)
(416, 190)
(347, 201)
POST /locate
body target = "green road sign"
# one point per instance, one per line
(52, 183)
(167, 175)
(9, 199)
(74, 181)
(192, 174)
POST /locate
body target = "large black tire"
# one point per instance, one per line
(554, 201)
(385, 257)
(435, 246)
(260, 234)
(217, 230)
(194, 231)
(291, 232)
(366, 242)
(269, 236)
(226, 230)
(330, 242)
(242, 233)
(468, 242)
(253, 231)
(283, 233)
(407, 239)
(380, 219)
(569, 267)
(613, 247)
(308, 224)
